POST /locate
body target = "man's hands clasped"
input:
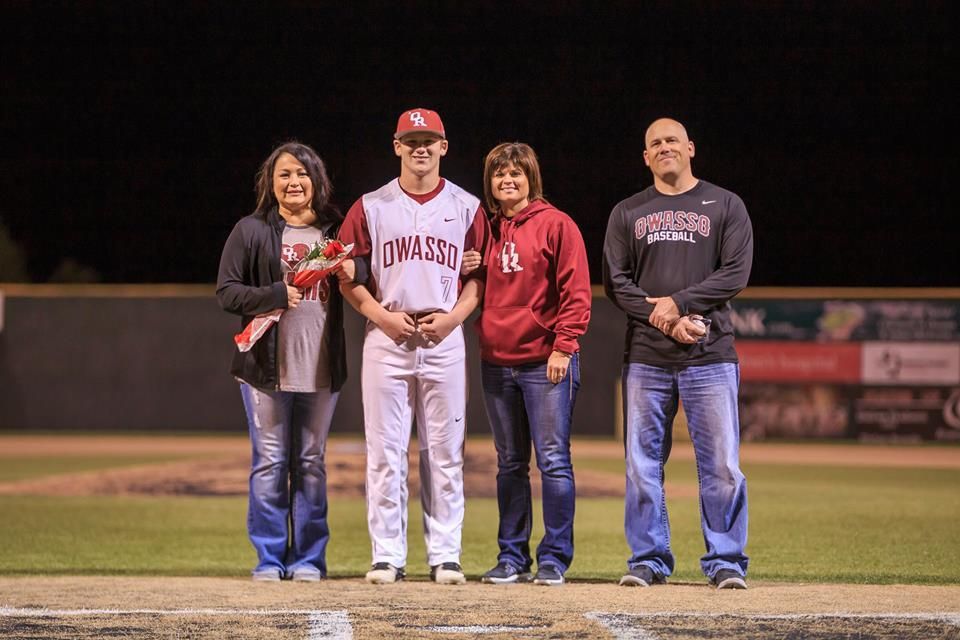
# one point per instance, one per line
(666, 317)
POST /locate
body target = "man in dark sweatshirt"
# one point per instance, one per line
(673, 257)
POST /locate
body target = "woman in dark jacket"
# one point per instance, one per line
(290, 379)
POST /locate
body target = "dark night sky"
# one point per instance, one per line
(132, 130)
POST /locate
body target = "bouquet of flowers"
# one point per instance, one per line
(324, 256)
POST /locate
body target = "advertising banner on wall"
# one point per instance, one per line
(906, 413)
(864, 369)
(769, 410)
(780, 361)
(895, 414)
(847, 320)
(911, 363)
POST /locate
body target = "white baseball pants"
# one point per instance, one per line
(426, 381)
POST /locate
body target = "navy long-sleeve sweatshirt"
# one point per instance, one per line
(696, 247)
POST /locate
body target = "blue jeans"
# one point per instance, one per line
(524, 407)
(709, 397)
(287, 515)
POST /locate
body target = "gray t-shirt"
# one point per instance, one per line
(303, 351)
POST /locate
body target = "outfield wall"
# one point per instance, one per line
(862, 363)
(157, 358)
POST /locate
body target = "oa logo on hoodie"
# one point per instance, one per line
(509, 258)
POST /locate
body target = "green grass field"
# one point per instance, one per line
(807, 524)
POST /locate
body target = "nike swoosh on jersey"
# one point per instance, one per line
(708, 202)
(449, 219)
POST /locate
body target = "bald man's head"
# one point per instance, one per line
(668, 152)
(665, 124)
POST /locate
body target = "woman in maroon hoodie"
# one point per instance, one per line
(536, 305)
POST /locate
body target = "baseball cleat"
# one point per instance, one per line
(505, 573)
(447, 573)
(642, 576)
(728, 579)
(384, 573)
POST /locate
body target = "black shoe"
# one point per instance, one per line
(728, 579)
(548, 575)
(447, 573)
(505, 573)
(641, 576)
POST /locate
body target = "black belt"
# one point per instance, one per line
(417, 315)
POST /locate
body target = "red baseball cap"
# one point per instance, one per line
(419, 120)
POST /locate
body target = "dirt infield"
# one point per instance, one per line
(77, 607)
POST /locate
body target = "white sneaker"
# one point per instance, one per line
(448, 573)
(267, 574)
(384, 573)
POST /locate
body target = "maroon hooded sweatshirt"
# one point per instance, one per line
(538, 296)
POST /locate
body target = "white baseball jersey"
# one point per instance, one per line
(415, 248)
(415, 244)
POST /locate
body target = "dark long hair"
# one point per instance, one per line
(322, 187)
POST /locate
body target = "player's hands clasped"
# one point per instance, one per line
(397, 325)
(686, 331)
(557, 365)
(471, 262)
(294, 296)
(665, 313)
(437, 325)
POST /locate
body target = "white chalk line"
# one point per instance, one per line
(334, 625)
(329, 625)
(479, 628)
(942, 616)
(622, 627)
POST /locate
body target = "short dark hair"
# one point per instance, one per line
(322, 187)
(522, 156)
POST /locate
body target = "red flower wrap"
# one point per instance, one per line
(256, 328)
(308, 273)
(308, 277)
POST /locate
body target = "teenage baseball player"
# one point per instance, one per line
(414, 231)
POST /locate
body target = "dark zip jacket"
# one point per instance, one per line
(250, 282)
